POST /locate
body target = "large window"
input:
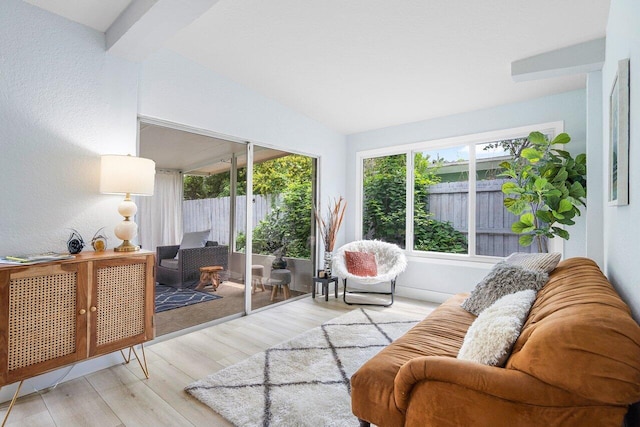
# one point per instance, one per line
(454, 206)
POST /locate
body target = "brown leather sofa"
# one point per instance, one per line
(576, 363)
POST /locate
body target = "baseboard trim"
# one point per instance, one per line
(422, 294)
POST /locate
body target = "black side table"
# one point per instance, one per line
(325, 286)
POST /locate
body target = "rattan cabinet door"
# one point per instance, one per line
(121, 303)
(43, 319)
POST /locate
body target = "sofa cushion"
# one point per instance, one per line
(503, 279)
(169, 263)
(538, 262)
(361, 263)
(491, 336)
(194, 239)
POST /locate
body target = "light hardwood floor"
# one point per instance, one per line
(120, 396)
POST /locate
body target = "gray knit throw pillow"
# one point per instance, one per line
(504, 279)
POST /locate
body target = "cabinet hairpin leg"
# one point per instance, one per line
(142, 362)
(13, 402)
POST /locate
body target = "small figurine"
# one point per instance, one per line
(99, 241)
(75, 242)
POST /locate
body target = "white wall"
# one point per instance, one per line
(622, 224)
(437, 279)
(63, 102)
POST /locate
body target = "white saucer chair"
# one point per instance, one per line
(390, 262)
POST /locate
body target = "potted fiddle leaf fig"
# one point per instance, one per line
(548, 187)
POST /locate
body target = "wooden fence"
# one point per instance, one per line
(449, 201)
(215, 213)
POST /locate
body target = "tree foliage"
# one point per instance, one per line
(384, 215)
(287, 228)
(548, 187)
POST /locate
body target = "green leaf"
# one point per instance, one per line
(563, 138)
(581, 159)
(537, 138)
(565, 206)
(527, 219)
(540, 184)
(563, 154)
(561, 176)
(561, 233)
(505, 165)
(510, 188)
(525, 240)
(508, 202)
(531, 154)
(518, 207)
(566, 221)
(544, 216)
(520, 227)
(577, 190)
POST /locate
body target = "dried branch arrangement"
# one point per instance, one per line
(330, 225)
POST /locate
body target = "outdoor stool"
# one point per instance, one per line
(208, 275)
(257, 273)
(280, 278)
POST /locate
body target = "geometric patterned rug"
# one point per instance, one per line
(168, 297)
(304, 381)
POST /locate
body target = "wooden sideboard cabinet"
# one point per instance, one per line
(58, 313)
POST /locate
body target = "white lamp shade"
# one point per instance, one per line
(127, 174)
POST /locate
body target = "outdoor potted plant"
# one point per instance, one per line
(547, 187)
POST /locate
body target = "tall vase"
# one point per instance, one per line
(327, 263)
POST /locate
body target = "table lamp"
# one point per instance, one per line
(127, 175)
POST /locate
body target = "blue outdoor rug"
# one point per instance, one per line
(168, 298)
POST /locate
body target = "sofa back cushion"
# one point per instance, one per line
(580, 336)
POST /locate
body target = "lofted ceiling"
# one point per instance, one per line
(359, 65)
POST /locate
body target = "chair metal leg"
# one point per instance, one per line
(344, 294)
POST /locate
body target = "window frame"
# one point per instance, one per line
(470, 140)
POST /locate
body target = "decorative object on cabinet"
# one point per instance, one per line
(618, 176)
(75, 243)
(58, 313)
(99, 241)
(127, 175)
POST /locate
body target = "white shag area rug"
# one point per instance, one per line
(305, 381)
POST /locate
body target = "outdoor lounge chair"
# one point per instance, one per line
(185, 269)
(390, 262)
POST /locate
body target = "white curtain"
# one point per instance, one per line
(159, 217)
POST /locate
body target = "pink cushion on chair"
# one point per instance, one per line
(361, 263)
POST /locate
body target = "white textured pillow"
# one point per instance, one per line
(195, 239)
(491, 336)
(538, 262)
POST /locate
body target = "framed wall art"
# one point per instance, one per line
(619, 137)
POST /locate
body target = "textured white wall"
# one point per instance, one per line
(63, 102)
(622, 224)
(437, 279)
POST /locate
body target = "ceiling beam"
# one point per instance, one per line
(577, 59)
(144, 26)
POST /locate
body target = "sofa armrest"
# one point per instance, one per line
(508, 384)
(166, 252)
